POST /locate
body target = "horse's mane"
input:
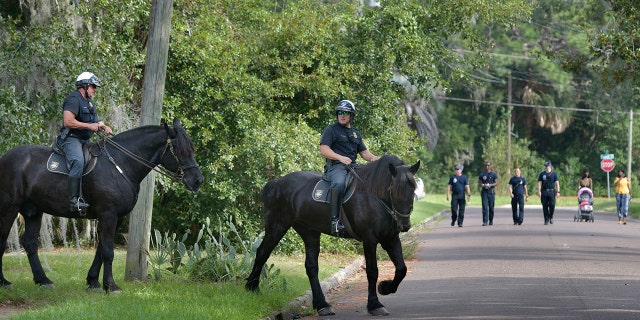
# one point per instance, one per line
(182, 144)
(377, 176)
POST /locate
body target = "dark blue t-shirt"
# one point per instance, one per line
(488, 177)
(517, 184)
(85, 111)
(457, 185)
(548, 179)
(344, 141)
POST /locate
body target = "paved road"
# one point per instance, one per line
(568, 270)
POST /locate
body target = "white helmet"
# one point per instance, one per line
(87, 78)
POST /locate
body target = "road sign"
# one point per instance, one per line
(607, 165)
(607, 156)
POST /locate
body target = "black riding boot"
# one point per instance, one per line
(337, 228)
(75, 204)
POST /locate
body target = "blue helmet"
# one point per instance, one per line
(346, 105)
(87, 78)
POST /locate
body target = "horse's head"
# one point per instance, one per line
(179, 157)
(401, 193)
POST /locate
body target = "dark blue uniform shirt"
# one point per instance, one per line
(457, 185)
(488, 177)
(517, 184)
(85, 111)
(548, 179)
(344, 141)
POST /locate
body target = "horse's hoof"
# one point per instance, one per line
(48, 286)
(386, 287)
(379, 312)
(326, 311)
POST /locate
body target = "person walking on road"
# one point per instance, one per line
(519, 193)
(585, 181)
(623, 195)
(548, 190)
(458, 185)
(488, 180)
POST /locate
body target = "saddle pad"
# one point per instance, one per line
(321, 191)
(57, 163)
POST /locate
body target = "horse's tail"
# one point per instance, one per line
(269, 193)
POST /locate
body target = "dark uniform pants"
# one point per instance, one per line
(548, 199)
(72, 147)
(488, 202)
(517, 207)
(458, 204)
(337, 173)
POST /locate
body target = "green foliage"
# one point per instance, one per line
(219, 259)
(211, 258)
(616, 46)
(165, 250)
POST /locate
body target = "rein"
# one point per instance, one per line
(174, 176)
(392, 211)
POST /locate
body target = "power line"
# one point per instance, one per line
(529, 105)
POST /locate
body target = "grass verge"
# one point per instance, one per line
(168, 298)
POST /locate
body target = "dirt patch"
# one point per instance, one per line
(351, 295)
(7, 311)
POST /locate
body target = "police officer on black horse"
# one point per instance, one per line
(80, 121)
(340, 144)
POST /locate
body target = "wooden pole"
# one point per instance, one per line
(510, 110)
(153, 93)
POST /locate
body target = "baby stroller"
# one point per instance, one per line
(585, 205)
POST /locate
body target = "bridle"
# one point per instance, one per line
(176, 176)
(392, 211)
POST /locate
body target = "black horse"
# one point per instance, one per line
(111, 189)
(378, 211)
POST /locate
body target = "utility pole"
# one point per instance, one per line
(152, 95)
(629, 144)
(510, 110)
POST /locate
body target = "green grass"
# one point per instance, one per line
(169, 298)
(425, 208)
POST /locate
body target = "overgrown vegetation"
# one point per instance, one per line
(255, 83)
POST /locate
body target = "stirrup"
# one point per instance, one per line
(337, 228)
(79, 206)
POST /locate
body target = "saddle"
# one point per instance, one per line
(57, 162)
(321, 190)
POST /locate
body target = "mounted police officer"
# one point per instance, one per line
(80, 121)
(340, 144)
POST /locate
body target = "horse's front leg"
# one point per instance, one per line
(374, 306)
(94, 271)
(106, 233)
(32, 223)
(394, 250)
